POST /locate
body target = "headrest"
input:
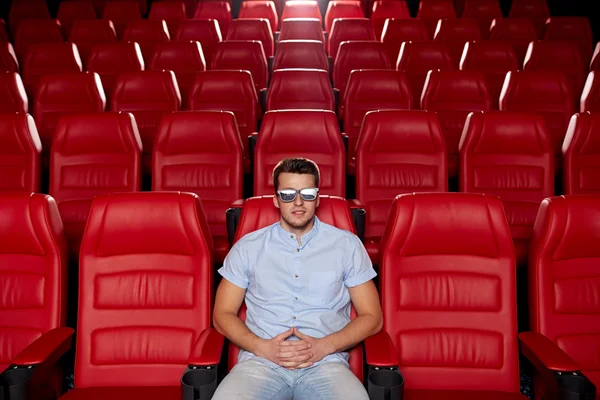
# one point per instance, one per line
(372, 85)
(76, 87)
(423, 56)
(178, 56)
(147, 87)
(193, 28)
(457, 29)
(364, 50)
(512, 28)
(536, 87)
(12, 93)
(583, 134)
(314, 129)
(146, 30)
(93, 31)
(301, 28)
(18, 134)
(239, 28)
(561, 52)
(53, 56)
(104, 57)
(456, 90)
(489, 55)
(214, 82)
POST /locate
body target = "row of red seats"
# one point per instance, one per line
(501, 153)
(140, 325)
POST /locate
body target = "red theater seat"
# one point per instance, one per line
(147, 33)
(384, 10)
(206, 32)
(581, 155)
(260, 9)
(484, 12)
(590, 96)
(12, 94)
(243, 54)
(300, 54)
(3, 32)
(300, 89)
(253, 29)
(36, 31)
(576, 29)
(20, 151)
(398, 152)
(92, 155)
(172, 12)
(301, 29)
(345, 29)
(86, 34)
(314, 134)
(121, 13)
(201, 152)
(397, 31)
(509, 155)
(536, 10)
(71, 11)
(301, 9)
(455, 33)
(342, 9)
(20, 10)
(519, 32)
(431, 11)
(217, 10)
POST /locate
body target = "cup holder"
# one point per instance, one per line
(199, 383)
(386, 385)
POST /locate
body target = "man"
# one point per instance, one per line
(298, 278)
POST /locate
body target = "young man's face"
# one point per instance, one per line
(297, 215)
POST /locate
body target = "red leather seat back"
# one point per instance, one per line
(397, 31)
(431, 11)
(398, 152)
(92, 155)
(259, 212)
(121, 13)
(342, 9)
(383, 10)
(453, 95)
(314, 134)
(172, 12)
(563, 56)
(8, 58)
(562, 268)
(455, 33)
(185, 59)
(59, 95)
(346, 29)
(301, 9)
(260, 9)
(417, 59)
(509, 155)
(519, 32)
(493, 58)
(544, 92)
(300, 54)
(3, 31)
(217, 10)
(484, 12)
(301, 29)
(577, 29)
(87, 33)
(358, 55)
(146, 268)
(20, 150)
(201, 152)
(19, 10)
(447, 286)
(147, 33)
(37, 31)
(12, 93)
(71, 11)
(109, 60)
(581, 155)
(243, 54)
(300, 89)
(536, 10)
(253, 29)
(206, 32)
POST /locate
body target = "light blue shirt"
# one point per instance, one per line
(298, 285)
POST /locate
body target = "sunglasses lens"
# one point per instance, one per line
(308, 194)
(287, 195)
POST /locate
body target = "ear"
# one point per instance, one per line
(275, 202)
(318, 200)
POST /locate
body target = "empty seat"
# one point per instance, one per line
(345, 29)
(59, 95)
(398, 152)
(243, 54)
(449, 298)
(563, 56)
(147, 33)
(314, 134)
(383, 10)
(51, 58)
(576, 29)
(595, 62)
(301, 9)
(20, 10)
(453, 95)
(172, 12)
(36, 31)
(147, 258)
(71, 11)
(397, 31)
(509, 155)
(546, 93)
(33, 262)
(185, 59)
(189, 7)
(201, 152)
(148, 95)
(92, 154)
(121, 13)
(590, 97)
(342, 9)
(260, 9)
(206, 32)
(300, 54)
(3, 31)
(300, 89)
(581, 155)
(431, 11)
(417, 59)
(358, 55)
(13, 97)
(218, 10)
(455, 33)
(519, 32)
(484, 12)
(8, 58)
(536, 10)
(86, 34)
(20, 152)
(301, 29)
(493, 59)
(369, 90)
(142, 4)
(253, 29)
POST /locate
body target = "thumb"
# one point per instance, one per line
(298, 334)
(284, 335)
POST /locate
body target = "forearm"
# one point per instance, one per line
(234, 329)
(354, 333)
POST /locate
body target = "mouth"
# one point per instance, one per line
(298, 213)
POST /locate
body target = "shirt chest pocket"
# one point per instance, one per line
(324, 286)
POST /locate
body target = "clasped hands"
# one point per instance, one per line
(294, 354)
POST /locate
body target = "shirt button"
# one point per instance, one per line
(294, 317)
(291, 236)
(296, 298)
(296, 275)
(298, 250)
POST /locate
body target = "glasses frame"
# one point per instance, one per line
(296, 194)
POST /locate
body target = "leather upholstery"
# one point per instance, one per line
(484, 12)
(576, 29)
(207, 32)
(382, 10)
(342, 9)
(430, 11)
(70, 11)
(519, 32)
(300, 54)
(301, 9)
(590, 96)
(581, 150)
(121, 13)
(398, 152)
(536, 10)
(13, 98)
(509, 155)
(20, 152)
(147, 33)
(243, 54)
(253, 29)
(36, 31)
(8, 58)
(20, 10)
(397, 31)
(88, 33)
(301, 29)
(455, 33)
(300, 89)
(260, 9)
(217, 10)
(171, 12)
(346, 29)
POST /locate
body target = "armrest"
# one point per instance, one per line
(270, 62)
(264, 93)
(380, 351)
(385, 382)
(359, 215)
(48, 348)
(207, 349)
(545, 354)
(345, 141)
(355, 203)
(330, 62)
(199, 381)
(336, 98)
(232, 218)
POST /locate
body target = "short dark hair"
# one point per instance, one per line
(295, 165)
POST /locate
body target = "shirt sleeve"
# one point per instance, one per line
(359, 268)
(235, 268)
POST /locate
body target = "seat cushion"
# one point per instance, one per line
(460, 395)
(372, 247)
(221, 248)
(124, 393)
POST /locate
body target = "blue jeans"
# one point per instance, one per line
(255, 380)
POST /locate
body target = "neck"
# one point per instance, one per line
(299, 232)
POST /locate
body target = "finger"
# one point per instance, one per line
(284, 335)
(295, 344)
(305, 365)
(291, 364)
(287, 355)
(298, 334)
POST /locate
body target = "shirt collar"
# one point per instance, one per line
(291, 238)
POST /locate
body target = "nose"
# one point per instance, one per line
(298, 200)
